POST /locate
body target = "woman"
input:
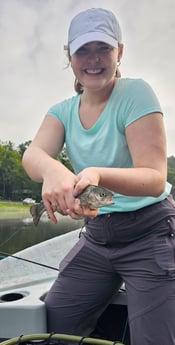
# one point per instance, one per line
(114, 133)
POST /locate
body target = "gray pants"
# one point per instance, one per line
(135, 247)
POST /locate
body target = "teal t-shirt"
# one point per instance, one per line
(105, 143)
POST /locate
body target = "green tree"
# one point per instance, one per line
(62, 157)
(171, 162)
(15, 183)
(22, 147)
(171, 179)
(10, 170)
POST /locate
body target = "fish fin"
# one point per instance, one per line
(35, 214)
(36, 211)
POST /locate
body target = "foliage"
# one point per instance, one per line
(62, 157)
(16, 185)
(171, 162)
(14, 182)
(171, 173)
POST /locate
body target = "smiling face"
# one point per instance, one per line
(95, 64)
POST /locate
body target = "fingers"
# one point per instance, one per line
(66, 205)
(85, 178)
(79, 212)
(50, 210)
(88, 212)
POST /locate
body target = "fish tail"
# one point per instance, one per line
(36, 214)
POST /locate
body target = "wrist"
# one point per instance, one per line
(93, 175)
(55, 167)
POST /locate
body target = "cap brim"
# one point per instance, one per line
(91, 37)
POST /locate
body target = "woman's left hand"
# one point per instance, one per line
(88, 176)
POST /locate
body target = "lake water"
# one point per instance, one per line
(17, 234)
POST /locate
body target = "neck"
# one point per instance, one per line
(95, 97)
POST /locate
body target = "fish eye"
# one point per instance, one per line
(102, 194)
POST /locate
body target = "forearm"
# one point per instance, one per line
(133, 181)
(37, 163)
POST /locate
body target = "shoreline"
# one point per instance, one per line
(13, 210)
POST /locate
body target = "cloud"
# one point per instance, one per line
(32, 59)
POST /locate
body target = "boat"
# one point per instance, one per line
(26, 277)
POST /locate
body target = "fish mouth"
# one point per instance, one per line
(110, 200)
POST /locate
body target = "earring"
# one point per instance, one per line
(118, 63)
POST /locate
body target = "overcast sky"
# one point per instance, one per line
(32, 59)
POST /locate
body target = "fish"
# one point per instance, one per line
(93, 196)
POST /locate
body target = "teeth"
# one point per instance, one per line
(93, 71)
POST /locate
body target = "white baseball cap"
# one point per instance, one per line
(94, 24)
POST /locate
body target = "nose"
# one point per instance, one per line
(93, 56)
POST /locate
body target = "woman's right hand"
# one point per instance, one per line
(40, 162)
(57, 191)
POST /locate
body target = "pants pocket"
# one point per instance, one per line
(164, 248)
